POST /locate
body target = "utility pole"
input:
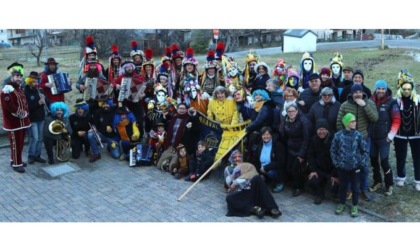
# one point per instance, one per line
(382, 39)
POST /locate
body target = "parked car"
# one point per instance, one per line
(5, 45)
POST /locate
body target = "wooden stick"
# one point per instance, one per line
(213, 166)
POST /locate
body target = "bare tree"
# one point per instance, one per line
(258, 35)
(230, 38)
(40, 42)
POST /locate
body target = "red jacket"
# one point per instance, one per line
(47, 90)
(15, 108)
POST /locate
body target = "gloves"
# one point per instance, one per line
(135, 137)
(113, 145)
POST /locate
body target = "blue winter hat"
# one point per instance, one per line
(356, 87)
(381, 84)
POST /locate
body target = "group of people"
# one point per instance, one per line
(305, 128)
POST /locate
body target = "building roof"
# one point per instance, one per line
(297, 33)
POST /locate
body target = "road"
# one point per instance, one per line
(397, 43)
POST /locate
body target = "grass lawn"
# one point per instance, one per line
(375, 63)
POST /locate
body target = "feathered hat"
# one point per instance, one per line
(90, 47)
(163, 70)
(252, 56)
(135, 51)
(189, 57)
(279, 67)
(167, 56)
(337, 59)
(191, 83)
(404, 77)
(220, 50)
(114, 53)
(176, 53)
(307, 56)
(210, 63)
(148, 53)
(292, 72)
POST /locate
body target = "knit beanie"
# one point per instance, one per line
(110, 102)
(356, 87)
(322, 123)
(347, 118)
(326, 90)
(325, 70)
(359, 72)
(381, 84)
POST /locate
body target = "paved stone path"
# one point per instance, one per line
(110, 191)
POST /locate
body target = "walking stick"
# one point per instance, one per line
(242, 135)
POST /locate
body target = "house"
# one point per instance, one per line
(299, 41)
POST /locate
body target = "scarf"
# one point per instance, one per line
(248, 171)
(258, 105)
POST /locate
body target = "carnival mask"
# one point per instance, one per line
(307, 65)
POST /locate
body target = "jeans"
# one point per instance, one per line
(401, 153)
(94, 146)
(272, 176)
(379, 150)
(35, 140)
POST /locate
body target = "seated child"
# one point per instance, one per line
(156, 141)
(180, 169)
(200, 162)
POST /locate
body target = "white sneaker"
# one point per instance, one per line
(418, 187)
(400, 183)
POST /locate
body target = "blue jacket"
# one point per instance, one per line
(348, 150)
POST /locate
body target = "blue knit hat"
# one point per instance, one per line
(356, 87)
(381, 84)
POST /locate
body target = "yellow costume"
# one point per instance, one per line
(224, 112)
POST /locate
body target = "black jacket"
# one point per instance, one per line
(263, 118)
(278, 157)
(36, 111)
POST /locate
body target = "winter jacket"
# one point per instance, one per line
(263, 118)
(296, 135)
(327, 111)
(277, 156)
(348, 150)
(364, 115)
(347, 92)
(310, 98)
(319, 157)
(36, 110)
(389, 118)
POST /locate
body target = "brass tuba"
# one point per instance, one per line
(62, 151)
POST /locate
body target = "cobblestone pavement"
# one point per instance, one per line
(110, 191)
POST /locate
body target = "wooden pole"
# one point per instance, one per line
(213, 166)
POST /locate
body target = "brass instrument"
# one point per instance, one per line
(54, 90)
(96, 135)
(125, 89)
(90, 91)
(62, 152)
